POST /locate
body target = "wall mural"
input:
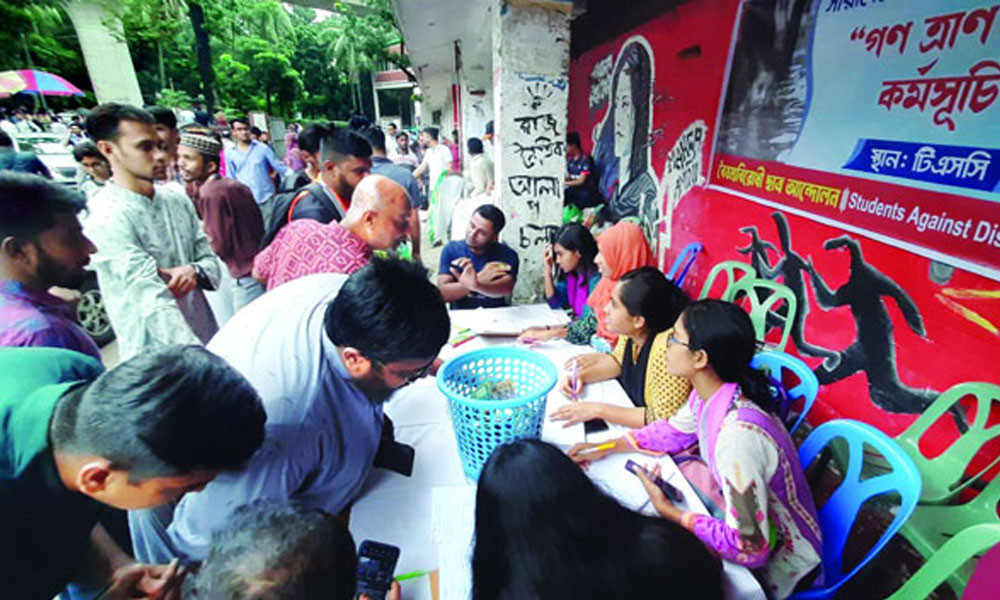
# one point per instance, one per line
(884, 329)
(622, 140)
(865, 293)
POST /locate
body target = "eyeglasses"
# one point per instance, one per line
(672, 339)
(407, 377)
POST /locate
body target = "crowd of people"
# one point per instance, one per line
(231, 442)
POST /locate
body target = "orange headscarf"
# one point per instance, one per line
(624, 248)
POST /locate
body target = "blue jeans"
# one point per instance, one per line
(246, 290)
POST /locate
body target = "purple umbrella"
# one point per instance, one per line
(37, 82)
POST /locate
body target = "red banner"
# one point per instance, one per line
(955, 227)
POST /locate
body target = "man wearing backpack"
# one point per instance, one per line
(345, 158)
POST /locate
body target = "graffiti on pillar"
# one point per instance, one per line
(622, 140)
(531, 235)
(681, 173)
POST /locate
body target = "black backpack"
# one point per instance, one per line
(310, 202)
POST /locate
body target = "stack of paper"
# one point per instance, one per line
(454, 522)
(508, 320)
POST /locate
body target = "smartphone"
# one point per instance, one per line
(595, 425)
(376, 564)
(672, 492)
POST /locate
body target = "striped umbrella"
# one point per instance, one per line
(36, 82)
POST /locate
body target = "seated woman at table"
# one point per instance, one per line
(770, 520)
(545, 531)
(622, 248)
(644, 304)
(573, 251)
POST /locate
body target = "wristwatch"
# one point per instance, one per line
(203, 281)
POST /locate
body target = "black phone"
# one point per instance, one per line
(595, 425)
(672, 492)
(376, 564)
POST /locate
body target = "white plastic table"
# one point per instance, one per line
(398, 510)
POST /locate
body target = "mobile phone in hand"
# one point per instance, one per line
(376, 564)
(671, 492)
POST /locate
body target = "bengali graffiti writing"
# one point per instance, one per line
(533, 155)
(975, 91)
(792, 188)
(531, 185)
(530, 235)
(533, 124)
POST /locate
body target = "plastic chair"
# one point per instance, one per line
(685, 258)
(954, 554)
(933, 525)
(776, 364)
(837, 516)
(763, 295)
(735, 271)
(943, 475)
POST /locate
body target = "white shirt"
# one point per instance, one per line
(438, 161)
(135, 236)
(321, 432)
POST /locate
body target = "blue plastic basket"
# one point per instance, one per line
(482, 425)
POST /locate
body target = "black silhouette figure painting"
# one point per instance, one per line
(874, 349)
(757, 249)
(791, 267)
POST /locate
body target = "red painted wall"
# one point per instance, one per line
(690, 47)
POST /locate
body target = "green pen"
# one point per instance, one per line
(410, 575)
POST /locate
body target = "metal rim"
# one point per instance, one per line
(91, 314)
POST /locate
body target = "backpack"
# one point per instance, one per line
(284, 207)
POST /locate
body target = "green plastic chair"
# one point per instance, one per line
(763, 295)
(956, 553)
(931, 526)
(944, 475)
(735, 272)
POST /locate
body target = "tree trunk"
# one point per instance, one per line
(159, 64)
(204, 51)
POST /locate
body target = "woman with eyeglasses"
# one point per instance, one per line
(643, 306)
(768, 522)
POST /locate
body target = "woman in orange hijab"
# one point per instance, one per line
(623, 248)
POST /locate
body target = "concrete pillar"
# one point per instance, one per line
(530, 93)
(105, 52)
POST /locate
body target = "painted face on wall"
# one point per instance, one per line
(624, 115)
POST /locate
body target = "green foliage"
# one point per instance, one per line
(46, 30)
(264, 56)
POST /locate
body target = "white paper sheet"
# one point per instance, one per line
(508, 320)
(453, 515)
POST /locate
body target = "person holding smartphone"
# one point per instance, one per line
(770, 523)
(643, 306)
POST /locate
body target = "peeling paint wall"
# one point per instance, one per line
(531, 89)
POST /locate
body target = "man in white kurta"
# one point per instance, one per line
(153, 260)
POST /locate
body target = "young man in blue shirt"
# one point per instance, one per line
(479, 271)
(251, 162)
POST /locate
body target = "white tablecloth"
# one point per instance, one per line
(398, 510)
